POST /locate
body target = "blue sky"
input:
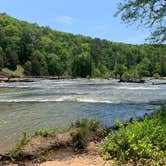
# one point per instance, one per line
(87, 17)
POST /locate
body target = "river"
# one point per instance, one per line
(55, 103)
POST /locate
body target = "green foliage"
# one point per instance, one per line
(82, 65)
(151, 14)
(130, 74)
(28, 68)
(156, 75)
(54, 65)
(39, 64)
(42, 51)
(84, 130)
(144, 67)
(18, 72)
(45, 132)
(119, 70)
(141, 141)
(11, 30)
(1, 59)
(11, 59)
(20, 145)
(163, 65)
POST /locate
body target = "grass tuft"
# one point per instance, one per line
(45, 132)
(85, 130)
(21, 144)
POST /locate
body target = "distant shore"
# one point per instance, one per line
(10, 79)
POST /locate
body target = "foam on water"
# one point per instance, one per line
(27, 106)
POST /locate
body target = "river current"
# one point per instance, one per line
(55, 103)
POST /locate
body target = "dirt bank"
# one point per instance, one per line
(90, 158)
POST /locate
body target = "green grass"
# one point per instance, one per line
(142, 141)
(18, 72)
(45, 132)
(21, 144)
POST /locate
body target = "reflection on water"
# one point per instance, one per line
(26, 106)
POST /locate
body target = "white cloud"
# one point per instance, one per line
(64, 19)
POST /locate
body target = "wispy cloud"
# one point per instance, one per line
(64, 19)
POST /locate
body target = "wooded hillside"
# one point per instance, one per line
(43, 51)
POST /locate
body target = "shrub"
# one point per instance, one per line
(85, 129)
(141, 141)
(156, 75)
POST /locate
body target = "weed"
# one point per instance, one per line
(20, 145)
(45, 132)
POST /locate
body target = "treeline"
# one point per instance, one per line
(43, 51)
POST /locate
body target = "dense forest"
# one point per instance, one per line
(43, 51)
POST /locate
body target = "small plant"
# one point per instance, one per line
(21, 144)
(45, 132)
(156, 75)
(85, 129)
(80, 138)
(91, 124)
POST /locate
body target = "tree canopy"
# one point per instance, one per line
(150, 13)
(43, 51)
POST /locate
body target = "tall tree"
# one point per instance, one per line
(151, 13)
(26, 45)
(82, 65)
(11, 59)
(1, 58)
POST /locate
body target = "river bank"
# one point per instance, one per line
(80, 142)
(87, 143)
(4, 77)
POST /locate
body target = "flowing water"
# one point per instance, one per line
(55, 103)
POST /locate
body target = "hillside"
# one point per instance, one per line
(43, 51)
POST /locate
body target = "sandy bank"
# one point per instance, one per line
(90, 158)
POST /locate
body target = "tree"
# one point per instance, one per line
(119, 70)
(150, 13)
(1, 58)
(26, 45)
(36, 67)
(11, 30)
(11, 59)
(82, 65)
(39, 63)
(144, 68)
(96, 50)
(54, 65)
(28, 68)
(163, 66)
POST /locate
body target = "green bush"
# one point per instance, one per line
(141, 141)
(85, 129)
(156, 75)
